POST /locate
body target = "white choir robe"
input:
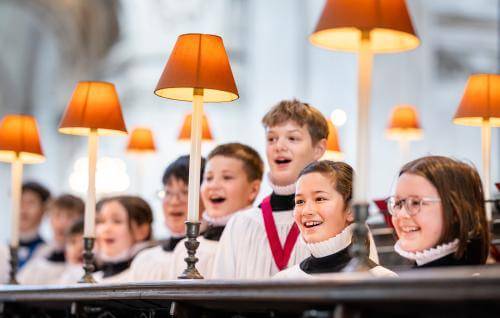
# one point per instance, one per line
(71, 275)
(40, 271)
(151, 264)
(296, 272)
(121, 277)
(205, 254)
(244, 252)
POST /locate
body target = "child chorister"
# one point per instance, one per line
(262, 241)
(156, 263)
(73, 253)
(324, 216)
(231, 182)
(34, 198)
(438, 211)
(123, 228)
(63, 212)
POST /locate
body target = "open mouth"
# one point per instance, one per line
(109, 241)
(217, 200)
(311, 224)
(282, 161)
(410, 229)
(177, 214)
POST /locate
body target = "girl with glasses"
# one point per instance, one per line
(438, 212)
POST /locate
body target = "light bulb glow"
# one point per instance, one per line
(338, 117)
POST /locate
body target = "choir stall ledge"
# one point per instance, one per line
(457, 292)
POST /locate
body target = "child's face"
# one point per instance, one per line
(424, 229)
(319, 208)
(114, 235)
(31, 211)
(60, 221)
(225, 187)
(175, 205)
(74, 249)
(289, 149)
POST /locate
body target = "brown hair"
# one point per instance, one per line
(252, 162)
(339, 173)
(138, 210)
(69, 203)
(462, 199)
(302, 114)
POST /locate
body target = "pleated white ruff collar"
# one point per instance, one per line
(281, 190)
(333, 244)
(428, 255)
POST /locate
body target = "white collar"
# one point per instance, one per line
(280, 190)
(29, 235)
(177, 234)
(216, 221)
(428, 255)
(333, 244)
(125, 255)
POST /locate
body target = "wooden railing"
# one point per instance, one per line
(458, 292)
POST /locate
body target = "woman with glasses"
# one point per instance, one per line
(438, 212)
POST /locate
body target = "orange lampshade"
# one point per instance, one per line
(388, 22)
(185, 133)
(141, 140)
(198, 61)
(332, 143)
(94, 105)
(404, 123)
(19, 138)
(481, 101)
(333, 151)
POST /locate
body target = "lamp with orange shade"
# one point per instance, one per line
(333, 151)
(197, 71)
(93, 110)
(404, 126)
(365, 27)
(140, 144)
(19, 144)
(141, 141)
(185, 133)
(480, 106)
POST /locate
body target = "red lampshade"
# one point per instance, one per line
(481, 101)
(141, 140)
(185, 133)
(198, 61)
(19, 138)
(404, 123)
(388, 22)
(94, 105)
(382, 206)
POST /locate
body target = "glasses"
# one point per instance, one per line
(412, 205)
(166, 195)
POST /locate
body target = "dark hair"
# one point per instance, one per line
(339, 173)
(69, 202)
(462, 199)
(252, 163)
(76, 228)
(179, 169)
(39, 189)
(341, 176)
(302, 114)
(138, 210)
